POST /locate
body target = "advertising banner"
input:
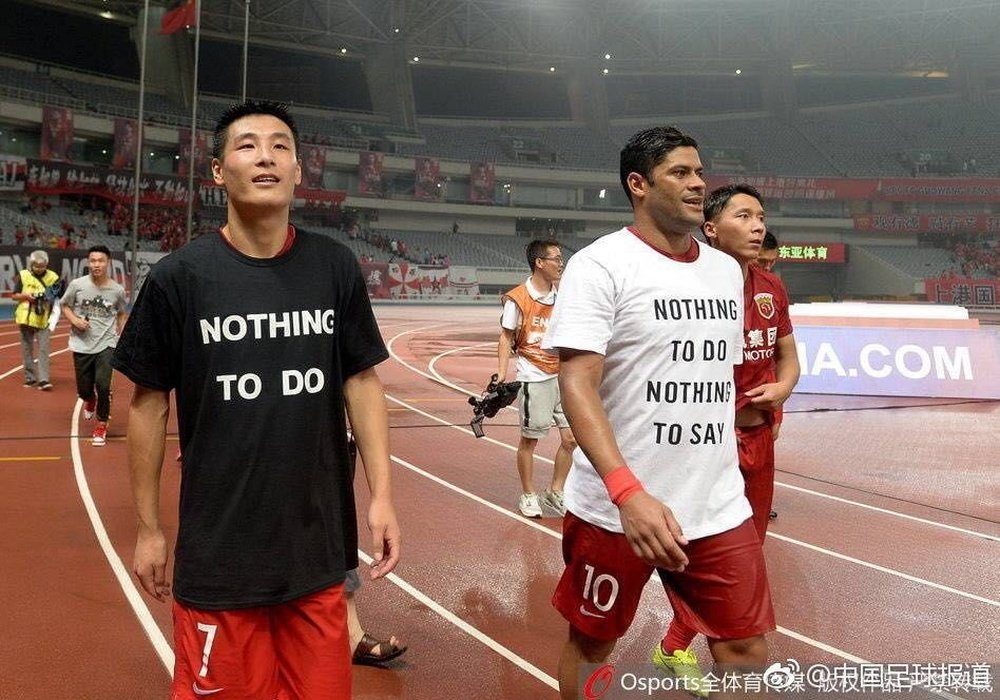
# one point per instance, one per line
(879, 361)
(963, 291)
(928, 223)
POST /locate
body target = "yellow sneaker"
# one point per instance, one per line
(684, 665)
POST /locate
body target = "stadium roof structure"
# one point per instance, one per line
(915, 37)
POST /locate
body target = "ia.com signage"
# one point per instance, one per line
(899, 362)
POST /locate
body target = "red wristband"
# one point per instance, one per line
(622, 485)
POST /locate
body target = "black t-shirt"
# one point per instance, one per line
(257, 351)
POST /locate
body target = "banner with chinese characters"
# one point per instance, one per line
(427, 185)
(812, 253)
(812, 188)
(57, 133)
(119, 185)
(482, 183)
(887, 189)
(370, 173)
(963, 291)
(928, 223)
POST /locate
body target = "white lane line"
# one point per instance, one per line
(893, 513)
(885, 570)
(784, 538)
(885, 511)
(473, 632)
(20, 367)
(132, 594)
(14, 345)
(558, 536)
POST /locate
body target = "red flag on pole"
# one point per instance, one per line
(181, 17)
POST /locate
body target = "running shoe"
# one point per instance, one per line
(45, 386)
(89, 407)
(529, 506)
(100, 435)
(684, 665)
(554, 500)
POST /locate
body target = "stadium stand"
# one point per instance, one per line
(919, 263)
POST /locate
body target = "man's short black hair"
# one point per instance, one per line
(770, 241)
(99, 249)
(717, 199)
(647, 149)
(537, 249)
(247, 109)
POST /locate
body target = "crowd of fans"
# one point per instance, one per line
(979, 259)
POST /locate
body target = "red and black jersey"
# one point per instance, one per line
(765, 319)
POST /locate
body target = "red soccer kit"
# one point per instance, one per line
(765, 320)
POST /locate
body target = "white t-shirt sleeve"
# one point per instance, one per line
(511, 317)
(583, 318)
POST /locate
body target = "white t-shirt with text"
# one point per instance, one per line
(670, 332)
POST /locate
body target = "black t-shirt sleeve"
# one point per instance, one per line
(148, 347)
(361, 343)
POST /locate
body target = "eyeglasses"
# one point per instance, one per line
(557, 258)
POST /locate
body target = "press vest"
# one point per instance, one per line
(26, 313)
(534, 322)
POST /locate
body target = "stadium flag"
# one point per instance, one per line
(126, 144)
(427, 185)
(370, 173)
(57, 133)
(183, 16)
(201, 159)
(313, 165)
(482, 183)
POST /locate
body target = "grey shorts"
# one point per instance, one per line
(540, 407)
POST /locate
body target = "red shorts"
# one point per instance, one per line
(723, 593)
(297, 650)
(756, 450)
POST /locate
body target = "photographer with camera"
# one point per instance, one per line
(36, 288)
(526, 312)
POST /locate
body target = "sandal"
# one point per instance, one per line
(364, 653)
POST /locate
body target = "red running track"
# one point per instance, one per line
(885, 549)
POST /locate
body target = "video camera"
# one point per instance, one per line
(496, 396)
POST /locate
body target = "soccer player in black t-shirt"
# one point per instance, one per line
(265, 334)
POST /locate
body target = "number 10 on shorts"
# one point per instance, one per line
(602, 586)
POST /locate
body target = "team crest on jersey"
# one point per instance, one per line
(765, 304)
